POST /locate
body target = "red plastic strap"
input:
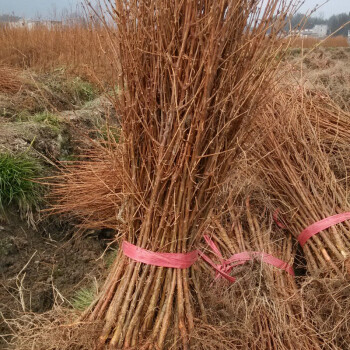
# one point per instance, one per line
(214, 247)
(174, 260)
(321, 225)
(243, 257)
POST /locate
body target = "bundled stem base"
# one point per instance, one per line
(145, 306)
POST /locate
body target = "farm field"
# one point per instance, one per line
(71, 153)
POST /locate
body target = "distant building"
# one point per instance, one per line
(51, 24)
(22, 23)
(318, 31)
(30, 24)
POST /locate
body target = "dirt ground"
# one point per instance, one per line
(50, 262)
(38, 264)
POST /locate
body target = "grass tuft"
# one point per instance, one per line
(83, 298)
(83, 90)
(110, 258)
(47, 118)
(16, 185)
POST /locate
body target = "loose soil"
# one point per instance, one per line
(37, 262)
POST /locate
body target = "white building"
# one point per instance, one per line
(320, 30)
(30, 24)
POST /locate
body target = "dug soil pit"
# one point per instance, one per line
(37, 267)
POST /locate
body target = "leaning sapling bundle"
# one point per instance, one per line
(263, 308)
(298, 176)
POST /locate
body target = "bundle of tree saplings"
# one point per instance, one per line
(327, 297)
(296, 171)
(263, 308)
(191, 76)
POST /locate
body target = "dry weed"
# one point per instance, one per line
(10, 80)
(328, 299)
(58, 329)
(307, 43)
(97, 184)
(325, 71)
(80, 48)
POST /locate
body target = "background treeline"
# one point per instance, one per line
(334, 22)
(9, 18)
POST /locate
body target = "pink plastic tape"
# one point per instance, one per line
(321, 225)
(243, 257)
(174, 260)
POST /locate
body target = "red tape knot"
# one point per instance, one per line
(222, 269)
(321, 225)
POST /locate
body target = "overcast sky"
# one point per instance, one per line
(46, 8)
(332, 7)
